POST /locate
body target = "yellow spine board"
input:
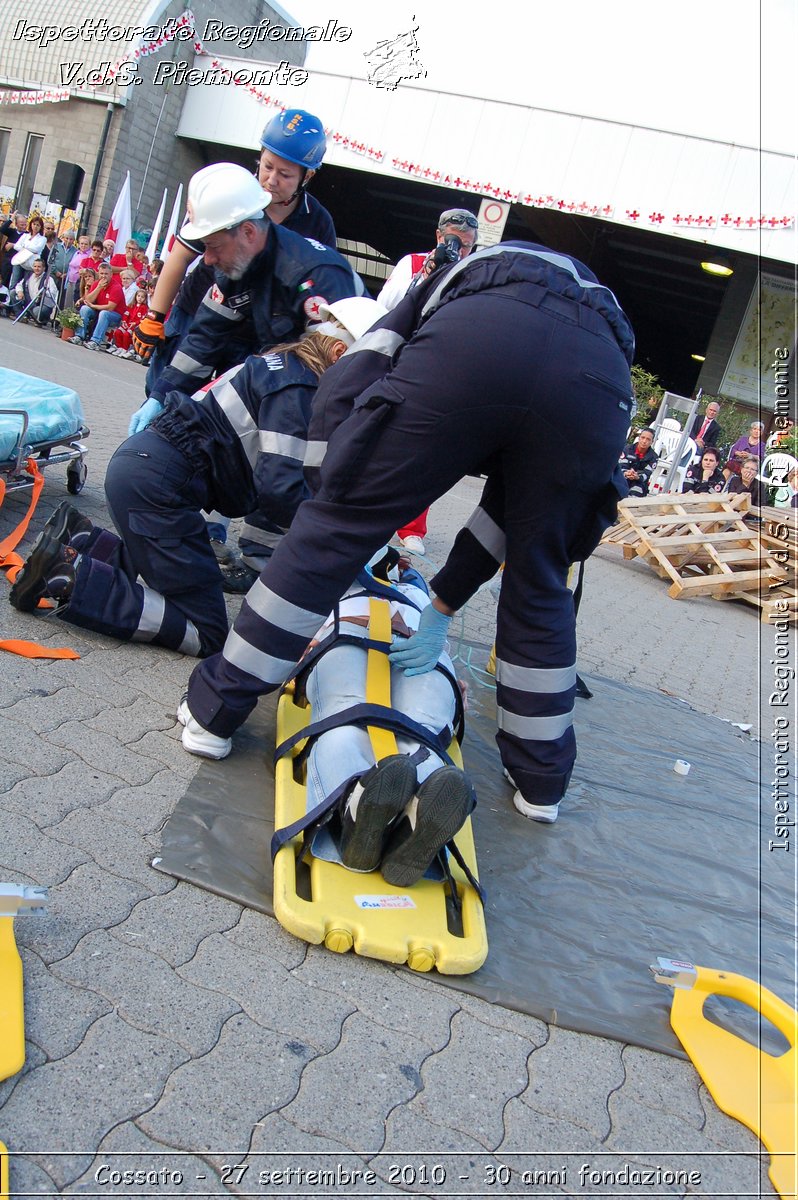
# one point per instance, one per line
(747, 1083)
(348, 910)
(5, 1191)
(12, 1013)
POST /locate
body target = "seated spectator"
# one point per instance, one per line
(90, 262)
(749, 444)
(101, 310)
(36, 293)
(638, 461)
(747, 481)
(121, 336)
(130, 285)
(706, 475)
(397, 815)
(88, 281)
(126, 260)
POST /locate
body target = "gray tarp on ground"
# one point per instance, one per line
(642, 861)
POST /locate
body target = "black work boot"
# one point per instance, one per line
(68, 526)
(48, 572)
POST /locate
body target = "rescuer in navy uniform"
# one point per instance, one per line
(493, 363)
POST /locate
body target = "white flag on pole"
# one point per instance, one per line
(156, 229)
(169, 240)
(120, 226)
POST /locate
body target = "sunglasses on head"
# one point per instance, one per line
(459, 218)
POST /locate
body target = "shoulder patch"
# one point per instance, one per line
(216, 294)
(311, 307)
(318, 245)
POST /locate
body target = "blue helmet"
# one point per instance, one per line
(298, 136)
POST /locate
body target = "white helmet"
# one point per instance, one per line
(356, 314)
(220, 196)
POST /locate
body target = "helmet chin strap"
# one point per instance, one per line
(297, 194)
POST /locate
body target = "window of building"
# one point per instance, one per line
(27, 172)
(5, 136)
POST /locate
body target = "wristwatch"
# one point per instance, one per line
(154, 315)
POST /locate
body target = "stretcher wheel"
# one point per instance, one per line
(76, 477)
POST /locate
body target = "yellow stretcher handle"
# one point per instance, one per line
(12, 1012)
(749, 1084)
(5, 1191)
(378, 677)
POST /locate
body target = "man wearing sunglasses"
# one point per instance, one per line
(455, 238)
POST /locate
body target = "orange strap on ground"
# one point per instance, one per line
(34, 650)
(11, 562)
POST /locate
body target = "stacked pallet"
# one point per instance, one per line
(705, 546)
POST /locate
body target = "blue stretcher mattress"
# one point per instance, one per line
(54, 412)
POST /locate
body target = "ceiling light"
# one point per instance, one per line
(699, 357)
(717, 264)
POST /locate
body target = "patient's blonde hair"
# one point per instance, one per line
(315, 351)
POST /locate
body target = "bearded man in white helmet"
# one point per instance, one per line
(269, 285)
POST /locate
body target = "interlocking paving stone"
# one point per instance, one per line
(147, 992)
(484, 1010)
(24, 847)
(164, 749)
(49, 710)
(564, 1079)
(103, 752)
(382, 995)
(130, 722)
(472, 1098)
(57, 1014)
(115, 847)
(277, 1145)
(407, 1128)
(634, 1124)
(27, 1178)
(255, 931)
(22, 747)
(336, 1083)
(93, 674)
(145, 809)
(660, 1082)
(211, 1104)
(126, 1148)
(47, 800)
(162, 680)
(34, 1057)
(525, 1129)
(268, 993)
(174, 924)
(115, 1074)
(90, 897)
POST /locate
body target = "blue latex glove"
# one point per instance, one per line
(418, 654)
(142, 416)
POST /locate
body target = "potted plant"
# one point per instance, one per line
(69, 320)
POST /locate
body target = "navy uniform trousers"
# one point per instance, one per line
(519, 382)
(160, 581)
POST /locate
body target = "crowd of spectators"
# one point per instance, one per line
(43, 275)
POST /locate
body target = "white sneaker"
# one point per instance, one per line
(536, 812)
(198, 740)
(414, 544)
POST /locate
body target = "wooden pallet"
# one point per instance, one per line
(705, 547)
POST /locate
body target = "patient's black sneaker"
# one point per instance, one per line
(48, 572)
(375, 801)
(69, 526)
(431, 819)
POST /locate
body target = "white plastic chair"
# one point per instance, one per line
(775, 469)
(666, 453)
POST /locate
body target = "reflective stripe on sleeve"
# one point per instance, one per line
(282, 613)
(489, 535)
(262, 666)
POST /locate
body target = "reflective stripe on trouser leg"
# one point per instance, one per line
(108, 601)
